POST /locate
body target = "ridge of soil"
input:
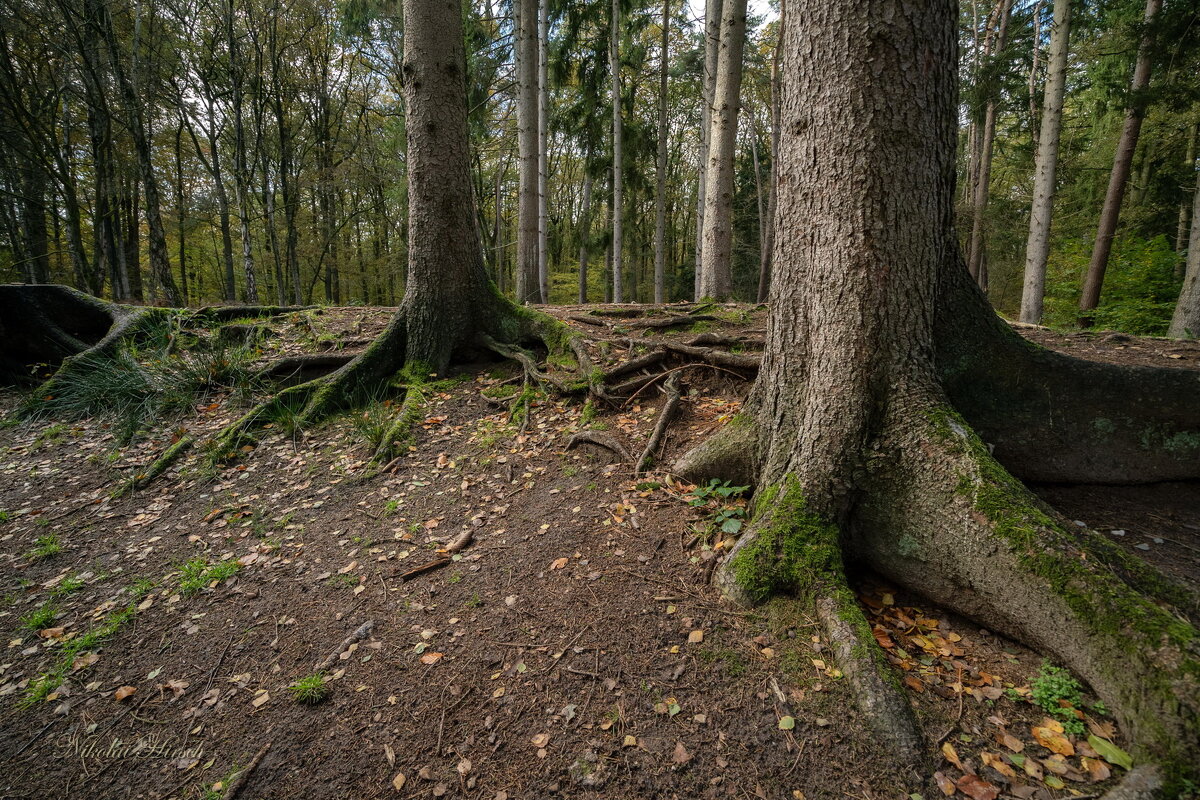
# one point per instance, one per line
(573, 649)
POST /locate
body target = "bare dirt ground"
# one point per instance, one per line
(572, 649)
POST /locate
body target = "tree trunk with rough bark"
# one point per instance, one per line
(1185, 323)
(977, 251)
(1122, 162)
(885, 372)
(618, 160)
(768, 245)
(660, 168)
(526, 268)
(712, 45)
(543, 148)
(585, 227)
(716, 262)
(1037, 247)
(1182, 227)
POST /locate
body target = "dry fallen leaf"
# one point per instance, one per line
(399, 781)
(681, 755)
(260, 700)
(558, 563)
(541, 740)
(124, 691)
(695, 637)
(431, 658)
(945, 784)
(977, 788)
(1053, 741)
(951, 755)
(390, 755)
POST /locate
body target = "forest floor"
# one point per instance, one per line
(572, 649)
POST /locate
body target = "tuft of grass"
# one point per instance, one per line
(133, 388)
(66, 586)
(373, 422)
(194, 575)
(45, 684)
(46, 546)
(5, 516)
(310, 690)
(141, 587)
(39, 618)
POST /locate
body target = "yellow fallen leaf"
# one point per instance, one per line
(695, 637)
(951, 755)
(1053, 741)
(399, 781)
(630, 741)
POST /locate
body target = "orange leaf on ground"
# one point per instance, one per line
(976, 787)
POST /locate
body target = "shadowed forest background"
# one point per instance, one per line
(256, 151)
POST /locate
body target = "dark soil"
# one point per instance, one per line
(572, 649)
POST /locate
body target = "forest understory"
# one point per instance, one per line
(518, 605)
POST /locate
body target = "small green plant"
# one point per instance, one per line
(343, 580)
(455, 578)
(475, 602)
(727, 514)
(390, 507)
(1057, 693)
(39, 618)
(310, 690)
(194, 575)
(45, 684)
(141, 587)
(46, 546)
(66, 586)
(373, 423)
(570, 471)
(5, 516)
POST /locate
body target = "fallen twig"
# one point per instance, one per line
(432, 565)
(601, 440)
(239, 783)
(660, 427)
(359, 634)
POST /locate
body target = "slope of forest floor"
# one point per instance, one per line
(572, 648)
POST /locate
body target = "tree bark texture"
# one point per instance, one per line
(1122, 162)
(712, 46)
(1185, 323)
(1037, 247)
(660, 170)
(618, 163)
(528, 290)
(716, 263)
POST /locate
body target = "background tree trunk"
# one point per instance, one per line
(1186, 320)
(716, 266)
(712, 45)
(1122, 162)
(618, 165)
(660, 185)
(977, 257)
(1037, 247)
(543, 150)
(528, 290)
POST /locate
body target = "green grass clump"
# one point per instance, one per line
(194, 575)
(44, 685)
(46, 546)
(310, 690)
(66, 586)
(134, 387)
(39, 618)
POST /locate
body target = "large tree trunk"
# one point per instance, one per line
(876, 335)
(1185, 205)
(1122, 162)
(660, 169)
(585, 227)
(1186, 320)
(527, 143)
(618, 159)
(543, 147)
(1037, 247)
(712, 46)
(716, 262)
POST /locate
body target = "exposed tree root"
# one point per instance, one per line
(600, 439)
(216, 315)
(156, 468)
(937, 513)
(674, 321)
(660, 426)
(291, 367)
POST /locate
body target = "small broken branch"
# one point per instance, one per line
(427, 567)
(671, 387)
(239, 783)
(359, 634)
